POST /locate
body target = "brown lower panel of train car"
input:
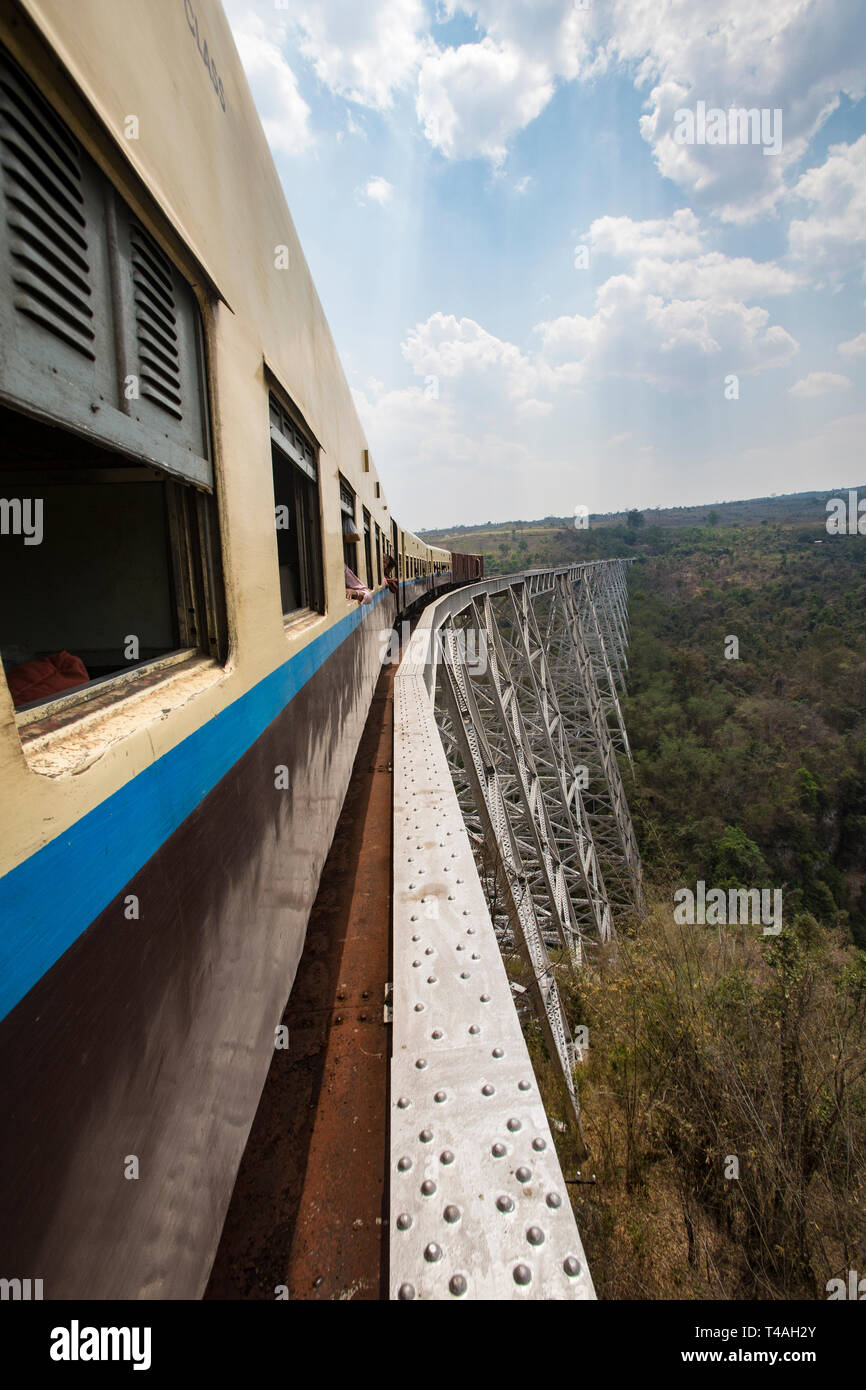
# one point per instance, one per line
(308, 1211)
(152, 1039)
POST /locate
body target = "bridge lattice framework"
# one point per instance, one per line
(510, 747)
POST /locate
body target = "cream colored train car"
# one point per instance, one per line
(425, 569)
(185, 484)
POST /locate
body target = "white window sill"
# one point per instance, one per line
(63, 737)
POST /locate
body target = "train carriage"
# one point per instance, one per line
(186, 669)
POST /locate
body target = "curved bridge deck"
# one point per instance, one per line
(445, 1183)
(506, 685)
(479, 1207)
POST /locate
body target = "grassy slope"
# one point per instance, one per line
(709, 1044)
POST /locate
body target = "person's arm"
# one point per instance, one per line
(354, 588)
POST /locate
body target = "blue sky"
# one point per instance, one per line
(444, 162)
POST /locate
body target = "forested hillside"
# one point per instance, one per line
(756, 765)
(501, 540)
(724, 1088)
(716, 1044)
(753, 768)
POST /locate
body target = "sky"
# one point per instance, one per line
(558, 273)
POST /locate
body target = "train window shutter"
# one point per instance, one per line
(100, 332)
(292, 440)
(53, 316)
(156, 323)
(163, 367)
(47, 223)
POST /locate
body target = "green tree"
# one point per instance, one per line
(737, 861)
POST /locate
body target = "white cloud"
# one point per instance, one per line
(674, 324)
(282, 110)
(533, 409)
(445, 471)
(376, 190)
(553, 33)
(679, 313)
(855, 347)
(818, 384)
(795, 57)
(448, 347)
(677, 235)
(714, 276)
(352, 127)
(473, 99)
(365, 50)
(668, 310)
(832, 239)
(672, 344)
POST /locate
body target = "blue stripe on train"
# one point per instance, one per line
(51, 898)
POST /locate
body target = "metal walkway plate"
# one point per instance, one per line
(478, 1205)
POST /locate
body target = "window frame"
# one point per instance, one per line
(367, 538)
(194, 577)
(349, 508)
(289, 434)
(127, 234)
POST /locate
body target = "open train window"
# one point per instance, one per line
(295, 465)
(351, 534)
(109, 554)
(368, 550)
(378, 555)
(105, 564)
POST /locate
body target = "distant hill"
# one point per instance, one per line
(787, 507)
(515, 545)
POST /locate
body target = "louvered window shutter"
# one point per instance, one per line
(292, 440)
(162, 345)
(156, 326)
(100, 332)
